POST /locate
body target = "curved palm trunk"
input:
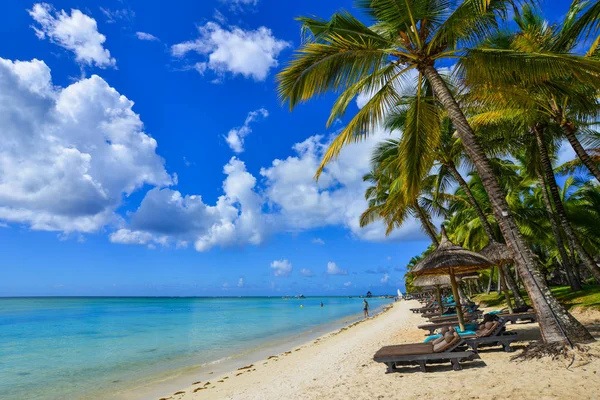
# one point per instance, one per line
(465, 187)
(564, 258)
(429, 229)
(556, 323)
(519, 302)
(569, 131)
(560, 209)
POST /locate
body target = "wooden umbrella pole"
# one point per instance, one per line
(505, 288)
(459, 312)
(439, 298)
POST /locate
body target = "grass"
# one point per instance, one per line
(586, 298)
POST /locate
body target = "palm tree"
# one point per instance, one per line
(343, 54)
(537, 106)
(384, 205)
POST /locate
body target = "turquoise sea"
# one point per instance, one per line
(92, 348)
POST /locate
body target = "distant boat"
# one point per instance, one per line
(400, 294)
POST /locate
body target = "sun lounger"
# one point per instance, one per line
(451, 318)
(438, 325)
(530, 316)
(450, 348)
(492, 333)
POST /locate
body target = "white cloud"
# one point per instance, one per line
(385, 279)
(146, 36)
(348, 284)
(240, 282)
(250, 53)
(235, 137)
(69, 154)
(76, 32)
(288, 200)
(306, 272)
(318, 241)
(336, 199)
(333, 269)
(281, 267)
(235, 219)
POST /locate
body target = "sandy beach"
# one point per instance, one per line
(339, 365)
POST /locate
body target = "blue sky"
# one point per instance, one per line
(144, 152)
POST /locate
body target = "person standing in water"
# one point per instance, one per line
(321, 304)
(366, 308)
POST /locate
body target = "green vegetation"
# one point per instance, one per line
(478, 106)
(586, 298)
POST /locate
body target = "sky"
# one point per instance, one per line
(144, 152)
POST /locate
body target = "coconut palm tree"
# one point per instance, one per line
(343, 54)
(537, 106)
(393, 209)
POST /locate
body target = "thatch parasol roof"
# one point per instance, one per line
(449, 257)
(498, 253)
(431, 280)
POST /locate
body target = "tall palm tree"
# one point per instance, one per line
(394, 210)
(343, 54)
(535, 106)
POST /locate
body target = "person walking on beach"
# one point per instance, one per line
(366, 308)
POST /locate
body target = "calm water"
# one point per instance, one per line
(75, 348)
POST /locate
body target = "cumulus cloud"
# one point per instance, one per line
(240, 282)
(250, 53)
(306, 272)
(333, 269)
(318, 241)
(379, 270)
(235, 137)
(235, 219)
(348, 284)
(287, 199)
(76, 32)
(385, 279)
(146, 36)
(281, 267)
(68, 155)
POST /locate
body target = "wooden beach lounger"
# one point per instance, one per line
(452, 318)
(433, 327)
(449, 348)
(530, 316)
(492, 333)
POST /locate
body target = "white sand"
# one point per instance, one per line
(340, 366)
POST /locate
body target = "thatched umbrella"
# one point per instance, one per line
(499, 254)
(433, 281)
(450, 259)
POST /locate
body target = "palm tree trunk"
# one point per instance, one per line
(489, 288)
(429, 229)
(556, 323)
(564, 258)
(560, 209)
(569, 131)
(519, 302)
(465, 187)
(512, 285)
(499, 280)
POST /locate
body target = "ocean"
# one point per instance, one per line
(98, 348)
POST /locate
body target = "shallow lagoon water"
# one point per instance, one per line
(79, 348)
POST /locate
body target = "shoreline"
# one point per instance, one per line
(174, 380)
(339, 365)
